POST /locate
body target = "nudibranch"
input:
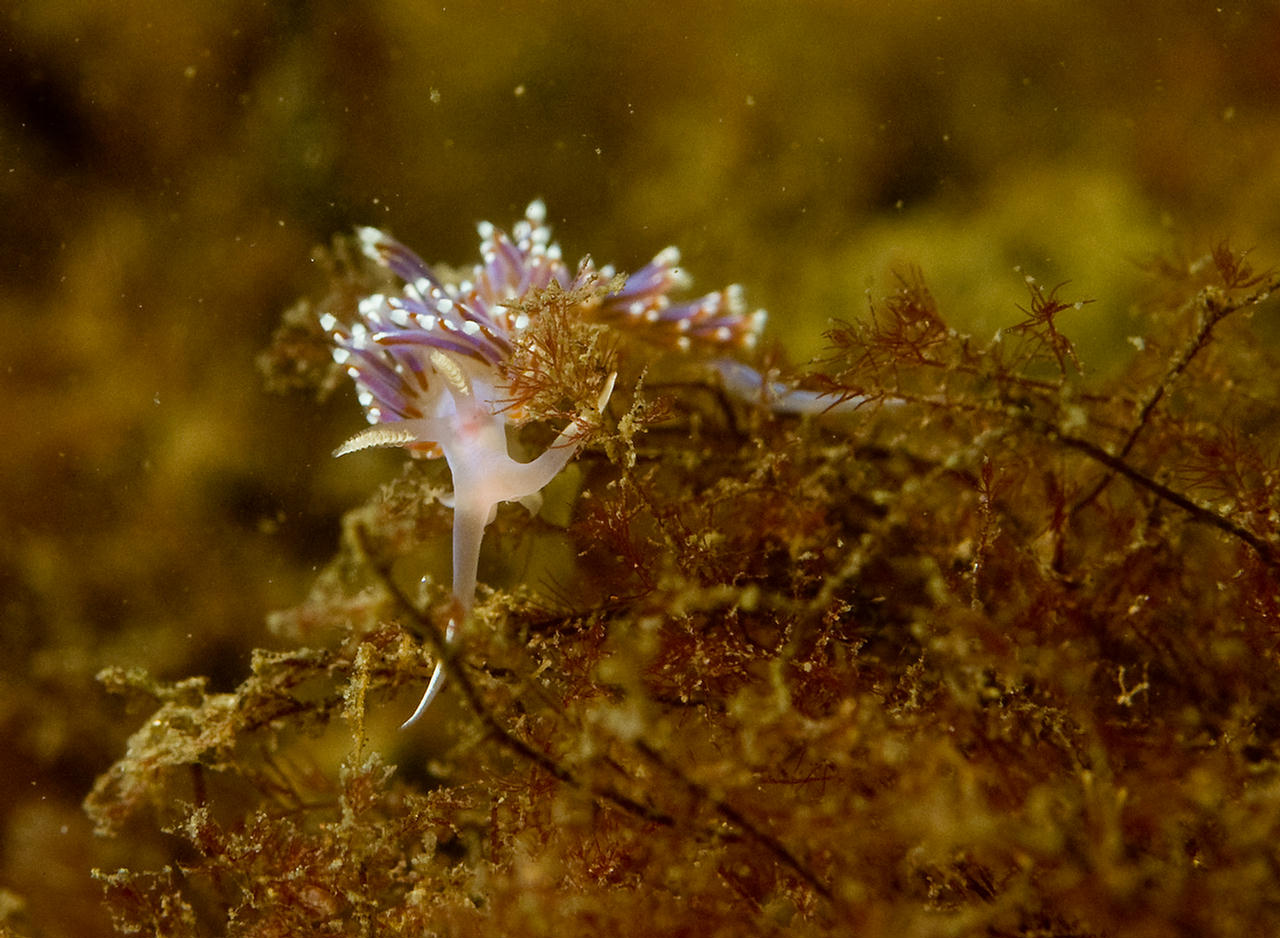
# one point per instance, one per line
(429, 363)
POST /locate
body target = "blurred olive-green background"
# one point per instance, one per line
(166, 169)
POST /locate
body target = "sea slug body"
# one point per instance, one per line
(429, 366)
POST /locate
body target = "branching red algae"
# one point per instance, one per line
(995, 653)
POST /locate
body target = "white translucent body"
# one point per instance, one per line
(473, 436)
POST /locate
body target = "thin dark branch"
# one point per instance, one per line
(1266, 552)
(736, 818)
(1212, 308)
